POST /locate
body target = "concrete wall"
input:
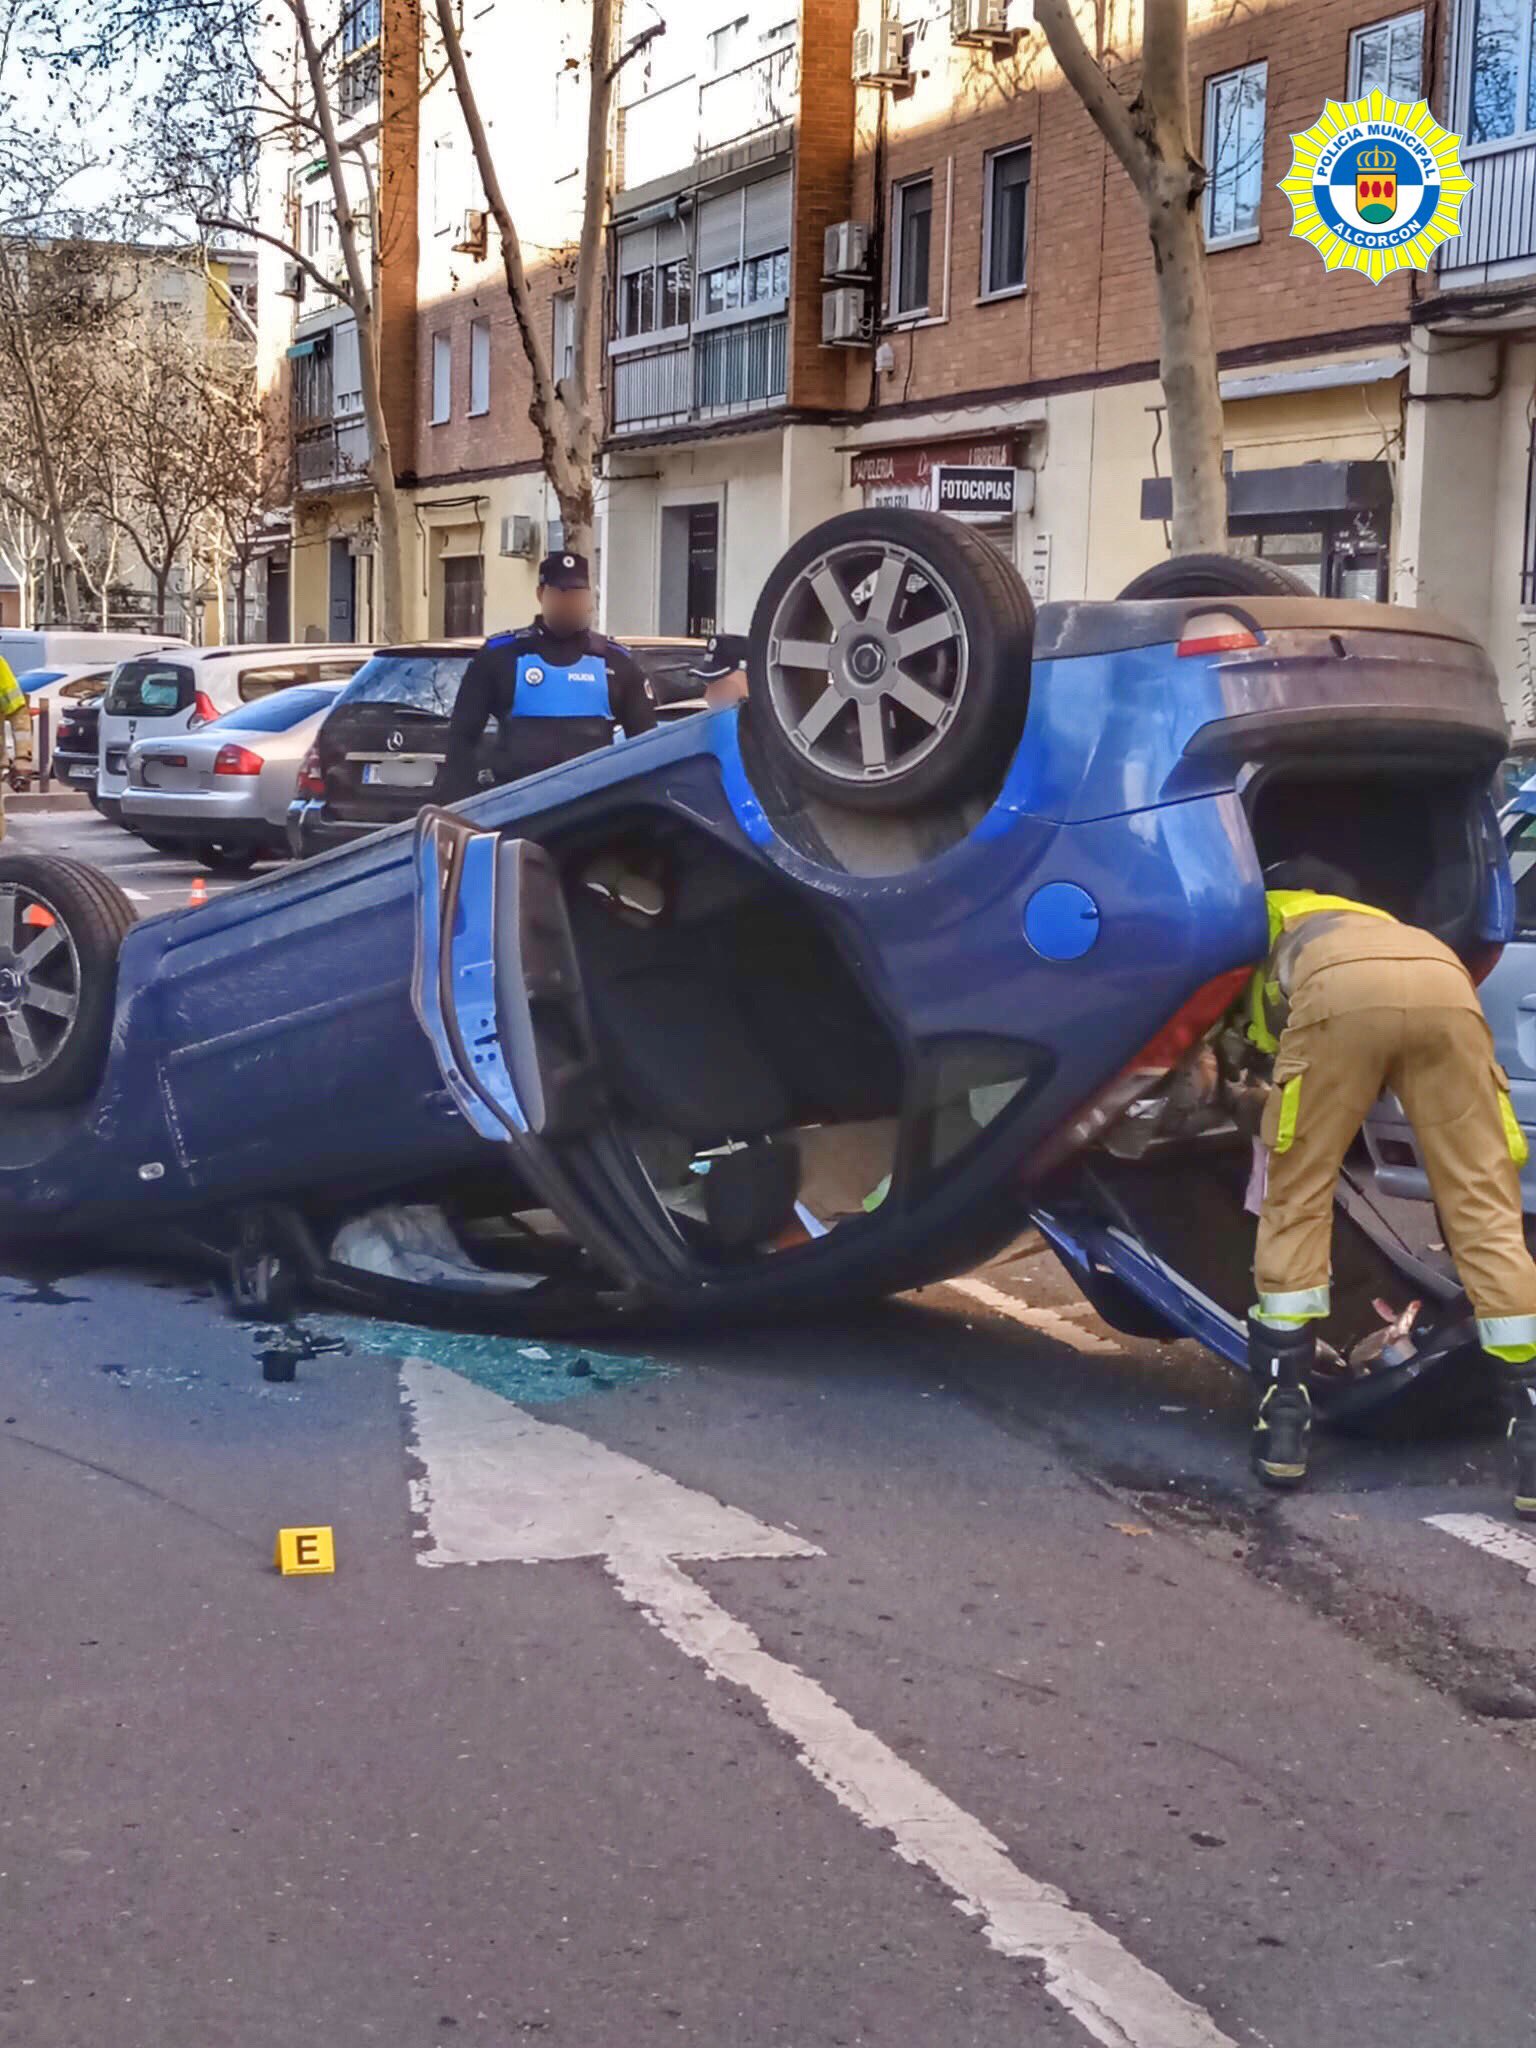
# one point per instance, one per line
(1462, 498)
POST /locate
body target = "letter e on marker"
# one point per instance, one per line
(301, 1553)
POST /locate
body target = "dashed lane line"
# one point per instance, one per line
(1497, 1539)
(1051, 1322)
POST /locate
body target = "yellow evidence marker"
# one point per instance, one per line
(301, 1552)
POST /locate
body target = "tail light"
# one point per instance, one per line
(1215, 633)
(236, 761)
(311, 782)
(204, 710)
(1159, 1056)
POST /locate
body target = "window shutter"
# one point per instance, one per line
(637, 251)
(767, 217)
(719, 232)
(671, 241)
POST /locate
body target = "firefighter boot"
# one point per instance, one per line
(1520, 1392)
(1278, 1363)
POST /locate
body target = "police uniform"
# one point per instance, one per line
(1351, 1002)
(552, 697)
(15, 710)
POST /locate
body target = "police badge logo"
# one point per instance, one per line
(1376, 186)
(533, 676)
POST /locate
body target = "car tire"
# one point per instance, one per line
(923, 727)
(157, 844)
(110, 808)
(234, 860)
(49, 1057)
(1214, 576)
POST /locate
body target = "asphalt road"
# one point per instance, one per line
(564, 1751)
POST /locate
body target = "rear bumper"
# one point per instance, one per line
(229, 817)
(78, 770)
(311, 830)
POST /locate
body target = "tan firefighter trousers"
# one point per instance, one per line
(1377, 1005)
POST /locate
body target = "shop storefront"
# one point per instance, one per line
(1330, 523)
(978, 481)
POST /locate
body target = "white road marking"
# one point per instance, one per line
(136, 896)
(1052, 1321)
(1496, 1538)
(499, 1485)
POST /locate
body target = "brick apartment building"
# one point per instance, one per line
(992, 299)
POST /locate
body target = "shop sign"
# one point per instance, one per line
(976, 490)
(912, 468)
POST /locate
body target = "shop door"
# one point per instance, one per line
(703, 569)
(463, 597)
(343, 609)
(277, 627)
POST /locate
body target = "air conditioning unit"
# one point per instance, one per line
(845, 250)
(292, 286)
(979, 22)
(472, 235)
(879, 54)
(845, 321)
(520, 535)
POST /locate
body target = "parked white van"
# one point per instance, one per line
(69, 647)
(156, 696)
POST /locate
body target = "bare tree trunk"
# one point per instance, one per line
(1152, 138)
(565, 417)
(389, 622)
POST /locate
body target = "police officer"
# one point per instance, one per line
(1350, 1002)
(722, 669)
(556, 689)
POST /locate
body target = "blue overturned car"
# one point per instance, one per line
(783, 1009)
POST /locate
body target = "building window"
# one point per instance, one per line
(1388, 57)
(911, 243)
(564, 336)
(1501, 69)
(725, 44)
(479, 366)
(442, 378)
(721, 289)
(361, 26)
(1006, 216)
(674, 291)
(654, 295)
(1234, 154)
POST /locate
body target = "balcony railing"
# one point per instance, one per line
(1498, 217)
(333, 454)
(742, 103)
(671, 129)
(718, 373)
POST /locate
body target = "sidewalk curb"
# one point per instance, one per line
(55, 800)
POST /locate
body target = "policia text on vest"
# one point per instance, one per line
(553, 697)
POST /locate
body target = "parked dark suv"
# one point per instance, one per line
(377, 756)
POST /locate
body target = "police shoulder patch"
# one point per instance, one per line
(501, 639)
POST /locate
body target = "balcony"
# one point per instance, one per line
(719, 373)
(1498, 217)
(330, 455)
(670, 130)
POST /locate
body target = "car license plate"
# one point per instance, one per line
(402, 774)
(80, 771)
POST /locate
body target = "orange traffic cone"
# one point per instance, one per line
(199, 894)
